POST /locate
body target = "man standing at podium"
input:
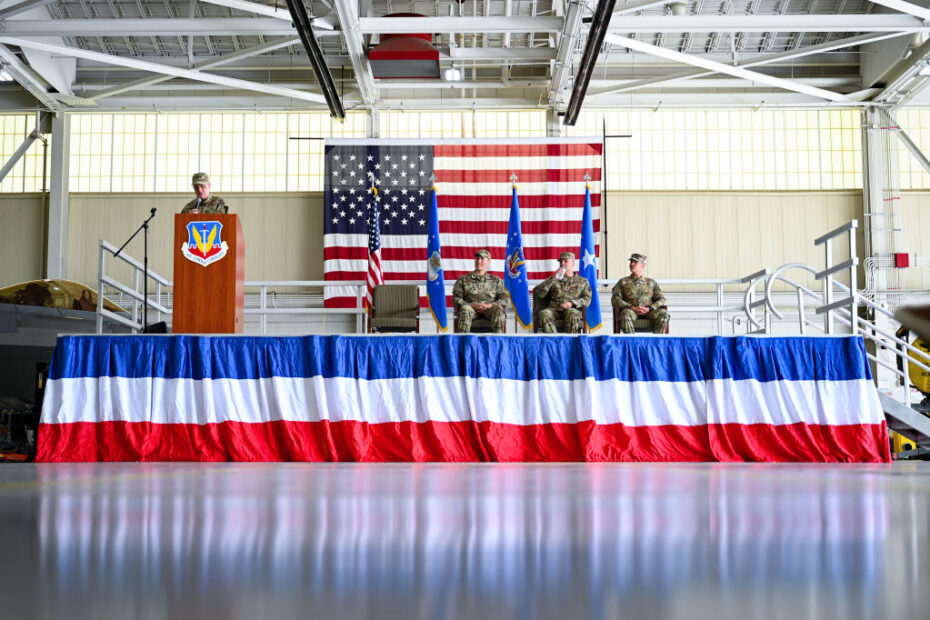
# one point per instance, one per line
(204, 202)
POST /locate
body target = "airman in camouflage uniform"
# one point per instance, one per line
(639, 297)
(205, 202)
(480, 293)
(567, 293)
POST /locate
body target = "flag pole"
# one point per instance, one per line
(516, 277)
(587, 252)
(435, 278)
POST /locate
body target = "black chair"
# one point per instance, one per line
(395, 308)
(640, 325)
(479, 325)
(539, 302)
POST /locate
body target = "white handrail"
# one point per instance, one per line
(836, 232)
(106, 251)
(266, 309)
(749, 304)
(844, 310)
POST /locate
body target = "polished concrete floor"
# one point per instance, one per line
(464, 541)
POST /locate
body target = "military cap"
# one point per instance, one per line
(566, 256)
(639, 258)
(200, 178)
(483, 253)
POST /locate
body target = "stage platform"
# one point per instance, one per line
(461, 398)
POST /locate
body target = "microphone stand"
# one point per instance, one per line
(145, 267)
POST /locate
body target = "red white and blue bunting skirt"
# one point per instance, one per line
(461, 398)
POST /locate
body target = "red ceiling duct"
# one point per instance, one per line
(404, 56)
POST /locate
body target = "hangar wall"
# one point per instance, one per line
(22, 234)
(686, 234)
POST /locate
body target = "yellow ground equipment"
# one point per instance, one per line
(919, 377)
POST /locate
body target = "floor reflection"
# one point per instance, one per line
(480, 541)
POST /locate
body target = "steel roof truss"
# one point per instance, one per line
(142, 65)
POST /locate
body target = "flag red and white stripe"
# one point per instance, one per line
(473, 180)
(375, 275)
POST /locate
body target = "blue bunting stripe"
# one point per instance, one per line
(600, 358)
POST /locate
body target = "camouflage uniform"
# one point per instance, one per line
(575, 290)
(632, 291)
(473, 288)
(213, 204)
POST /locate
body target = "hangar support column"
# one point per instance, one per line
(57, 257)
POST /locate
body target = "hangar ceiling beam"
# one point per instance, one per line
(215, 62)
(817, 22)
(568, 41)
(652, 23)
(273, 26)
(22, 7)
(142, 65)
(689, 74)
(27, 78)
(269, 11)
(711, 65)
(503, 54)
(904, 79)
(642, 5)
(182, 26)
(252, 7)
(347, 10)
(906, 7)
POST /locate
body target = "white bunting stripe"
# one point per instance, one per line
(440, 399)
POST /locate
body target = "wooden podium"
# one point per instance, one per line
(209, 274)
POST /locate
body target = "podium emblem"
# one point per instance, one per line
(205, 243)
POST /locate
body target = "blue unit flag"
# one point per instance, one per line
(435, 283)
(588, 269)
(515, 279)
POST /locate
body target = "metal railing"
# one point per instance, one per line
(750, 303)
(134, 321)
(849, 229)
(266, 292)
(263, 311)
(845, 310)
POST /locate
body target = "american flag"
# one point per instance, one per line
(474, 190)
(375, 275)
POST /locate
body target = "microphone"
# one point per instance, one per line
(153, 210)
(199, 200)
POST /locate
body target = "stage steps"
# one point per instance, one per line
(907, 422)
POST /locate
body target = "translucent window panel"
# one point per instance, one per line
(729, 149)
(160, 152)
(463, 123)
(916, 122)
(690, 149)
(26, 175)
